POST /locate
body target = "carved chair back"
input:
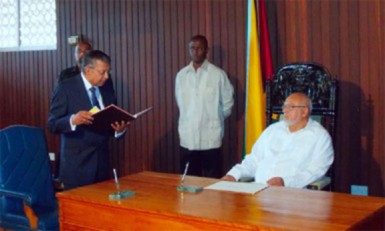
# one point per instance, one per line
(310, 78)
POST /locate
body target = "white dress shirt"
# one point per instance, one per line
(299, 158)
(205, 99)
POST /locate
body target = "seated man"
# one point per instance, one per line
(292, 153)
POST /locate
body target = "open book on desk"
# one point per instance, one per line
(110, 114)
(241, 187)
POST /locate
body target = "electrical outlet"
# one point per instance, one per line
(73, 39)
(51, 156)
(359, 190)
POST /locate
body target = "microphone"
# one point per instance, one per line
(182, 188)
(119, 194)
(184, 174)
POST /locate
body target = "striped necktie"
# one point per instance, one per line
(94, 100)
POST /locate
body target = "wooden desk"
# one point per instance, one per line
(157, 205)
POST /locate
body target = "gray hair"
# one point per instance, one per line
(91, 56)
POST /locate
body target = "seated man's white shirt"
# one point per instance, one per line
(299, 158)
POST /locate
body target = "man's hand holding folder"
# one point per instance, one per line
(113, 117)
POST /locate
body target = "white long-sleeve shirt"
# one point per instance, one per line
(204, 98)
(299, 158)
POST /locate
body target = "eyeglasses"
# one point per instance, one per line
(291, 107)
(100, 72)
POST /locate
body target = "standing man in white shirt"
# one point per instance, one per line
(204, 96)
(292, 153)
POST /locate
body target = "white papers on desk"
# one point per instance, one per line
(241, 187)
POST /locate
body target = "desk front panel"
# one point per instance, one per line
(157, 205)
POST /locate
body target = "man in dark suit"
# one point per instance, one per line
(84, 152)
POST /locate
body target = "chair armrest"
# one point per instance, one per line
(31, 216)
(319, 184)
(25, 197)
(27, 202)
(58, 185)
(246, 179)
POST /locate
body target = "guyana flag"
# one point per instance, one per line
(259, 65)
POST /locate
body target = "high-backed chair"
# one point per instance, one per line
(315, 81)
(27, 199)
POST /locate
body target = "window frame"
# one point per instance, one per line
(19, 46)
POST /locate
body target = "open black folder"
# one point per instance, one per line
(110, 114)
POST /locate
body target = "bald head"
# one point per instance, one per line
(301, 99)
(297, 109)
(80, 49)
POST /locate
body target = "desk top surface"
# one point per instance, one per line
(277, 207)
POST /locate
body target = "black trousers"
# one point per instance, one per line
(206, 163)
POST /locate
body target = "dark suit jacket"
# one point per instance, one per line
(84, 152)
(68, 73)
